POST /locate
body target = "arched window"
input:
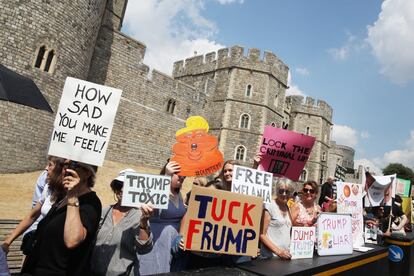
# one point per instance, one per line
(273, 124)
(45, 59)
(49, 60)
(285, 125)
(303, 175)
(248, 92)
(244, 121)
(171, 106)
(307, 131)
(39, 57)
(240, 153)
(323, 156)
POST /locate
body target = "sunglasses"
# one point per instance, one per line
(284, 192)
(308, 191)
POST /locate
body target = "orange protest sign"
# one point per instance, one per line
(223, 222)
(196, 151)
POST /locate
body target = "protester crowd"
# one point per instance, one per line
(75, 236)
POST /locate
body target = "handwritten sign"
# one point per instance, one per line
(334, 234)
(380, 189)
(253, 182)
(302, 242)
(403, 187)
(197, 151)
(285, 152)
(349, 201)
(146, 189)
(84, 121)
(222, 222)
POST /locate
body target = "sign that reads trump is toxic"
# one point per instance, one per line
(84, 121)
(222, 222)
(285, 152)
(302, 242)
(146, 189)
(249, 181)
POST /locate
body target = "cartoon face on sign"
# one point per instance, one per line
(196, 151)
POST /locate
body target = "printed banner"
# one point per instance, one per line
(302, 242)
(146, 189)
(379, 189)
(197, 151)
(340, 173)
(248, 181)
(222, 222)
(285, 152)
(334, 234)
(349, 201)
(403, 187)
(84, 121)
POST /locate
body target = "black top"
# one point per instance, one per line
(50, 255)
(326, 190)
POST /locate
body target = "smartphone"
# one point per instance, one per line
(72, 165)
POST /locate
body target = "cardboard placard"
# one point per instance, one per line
(379, 189)
(222, 222)
(84, 121)
(285, 152)
(197, 151)
(349, 201)
(146, 189)
(248, 181)
(302, 242)
(334, 232)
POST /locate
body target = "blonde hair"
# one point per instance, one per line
(193, 123)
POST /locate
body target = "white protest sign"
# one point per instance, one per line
(380, 190)
(146, 189)
(334, 234)
(248, 181)
(84, 121)
(302, 242)
(349, 201)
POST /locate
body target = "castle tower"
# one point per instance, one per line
(314, 119)
(46, 41)
(249, 94)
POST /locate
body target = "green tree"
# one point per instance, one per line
(401, 171)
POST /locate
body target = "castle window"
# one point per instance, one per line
(276, 100)
(188, 111)
(248, 92)
(240, 153)
(273, 124)
(244, 121)
(285, 125)
(171, 106)
(303, 175)
(323, 156)
(307, 132)
(45, 59)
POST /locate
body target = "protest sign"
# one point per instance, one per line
(196, 151)
(302, 242)
(222, 222)
(248, 181)
(146, 189)
(349, 201)
(379, 189)
(334, 234)
(403, 187)
(371, 234)
(285, 152)
(84, 121)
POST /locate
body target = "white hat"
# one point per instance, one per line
(121, 175)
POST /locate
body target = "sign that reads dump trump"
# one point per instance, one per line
(249, 181)
(302, 242)
(84, 121)
(222, 222)
(146, 189)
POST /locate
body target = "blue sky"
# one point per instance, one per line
(356, 55)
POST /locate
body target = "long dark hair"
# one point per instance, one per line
(56, 178)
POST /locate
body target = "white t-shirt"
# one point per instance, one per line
(44, 200)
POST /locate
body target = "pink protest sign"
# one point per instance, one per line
(285, 152)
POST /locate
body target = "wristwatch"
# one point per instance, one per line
(74, 204)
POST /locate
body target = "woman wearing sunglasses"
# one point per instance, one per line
(305, 212)
(277, 223)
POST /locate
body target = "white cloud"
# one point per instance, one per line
(365, 134)
(302, 71)
(293, 89)
(352, 45)
(177, 30)
(345, 135)
(225, 2)
(339, 53)
(392, 38)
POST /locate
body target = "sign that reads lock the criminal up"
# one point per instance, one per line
(222, 222)
(248, 181)
(285, 152)
(146, 189)
(84, 121)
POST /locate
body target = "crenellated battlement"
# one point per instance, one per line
(310, 106)
(232, 57)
